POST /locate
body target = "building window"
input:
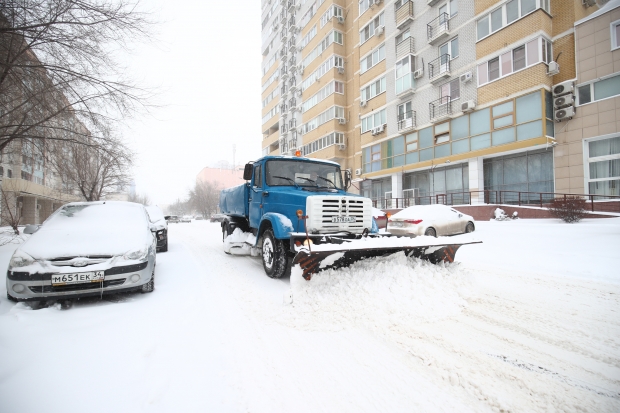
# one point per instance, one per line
(451, 89)
(525, 172)
(334, 138)
(334, 37)
(519, 58)
(451, 8)
(599, 90)
(615, 35)
(506, 14)
(309, 36)
(372, 59)
(369, 31)
(334, 11)
(404, 74)
(365, 5)
(403, 36)
(375, 88)
(374, 120)
(327, 65)
(603, 168)
(331, 113)
(333, 87)
(442, 133)
(450, 48)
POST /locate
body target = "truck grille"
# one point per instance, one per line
(322, 209)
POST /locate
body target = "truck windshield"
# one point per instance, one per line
(300, 173)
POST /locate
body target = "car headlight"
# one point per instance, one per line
(20, 259)
(138, 255)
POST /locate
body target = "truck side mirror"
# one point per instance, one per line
(347, 179)
(247, 172)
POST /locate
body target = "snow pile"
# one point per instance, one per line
(239, 242)
(388, 292)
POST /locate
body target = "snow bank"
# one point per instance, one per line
(389, 292)
(239, 242)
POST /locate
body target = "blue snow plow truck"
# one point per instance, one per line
(295, 209)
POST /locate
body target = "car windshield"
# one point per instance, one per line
(155, 213)
(109, 214)
(301, 173)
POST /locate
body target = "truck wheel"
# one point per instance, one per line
(274, 255)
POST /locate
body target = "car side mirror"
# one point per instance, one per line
(460, 215)
(247, 172)
(31, 229)
(152, 227)
(347, 179)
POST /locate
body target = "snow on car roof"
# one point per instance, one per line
(155, 213)
(426, 211)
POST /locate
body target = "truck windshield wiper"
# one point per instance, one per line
(308, 179)
(327, 180)
(288, 179)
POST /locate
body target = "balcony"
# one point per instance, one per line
(405, 47)
(438, 29)
(439, 69)
(404, 14)
(440, 109)
(407, 121)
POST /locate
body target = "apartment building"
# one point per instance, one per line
(426, 98)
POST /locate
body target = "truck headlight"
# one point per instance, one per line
(138, 255)
(20, 259)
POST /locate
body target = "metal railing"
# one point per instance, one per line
(407, 120)
(440, 107)
(439, 66)
(437, 26)
(595, 203)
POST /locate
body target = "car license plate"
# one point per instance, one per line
(396, 224)
(341, 219)
(77, 278)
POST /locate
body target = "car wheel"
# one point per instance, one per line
(274, 255)
(165, 247)
(149, 286)
(431, 232)
(469, 227)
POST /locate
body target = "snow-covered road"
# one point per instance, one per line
(528, 321)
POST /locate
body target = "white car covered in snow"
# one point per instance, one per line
(433, 220)
(82, 249)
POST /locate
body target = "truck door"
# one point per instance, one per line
(256, 197)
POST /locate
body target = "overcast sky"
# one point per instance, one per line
(206, 65)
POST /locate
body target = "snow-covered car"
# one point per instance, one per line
(172, 219)
(217, 218)
(160, 228)
(185, 218)
(83, 249)
(433, 220)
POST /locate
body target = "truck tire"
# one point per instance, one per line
(274, 255)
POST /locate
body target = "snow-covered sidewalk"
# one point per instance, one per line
(527, 321)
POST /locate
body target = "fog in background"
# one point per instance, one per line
(204, 62)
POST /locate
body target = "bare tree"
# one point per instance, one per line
(205, 198)
(139, 198)
(59, 79)
(92, 170)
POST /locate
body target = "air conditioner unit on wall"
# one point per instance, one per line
(342, 146)
(342, 121)
(563, 88)
(466, 77)
(566, 100)
(363, 103)
(418, 73)
(340, 19)
(553, 69)
(377, 130)
(588, 3)
(358, 171)
(379, 30)
(564, 114)
(340, 70)
(468, 106)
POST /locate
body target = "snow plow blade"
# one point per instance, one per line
(315, 261)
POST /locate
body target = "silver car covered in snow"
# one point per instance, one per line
(84, 249)
(433, 220)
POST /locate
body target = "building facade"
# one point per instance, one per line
(428, 98)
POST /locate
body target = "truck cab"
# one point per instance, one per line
(287, 200)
